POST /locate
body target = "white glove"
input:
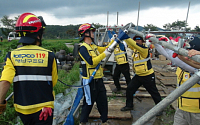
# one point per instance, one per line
(114, 37)
(107, 52)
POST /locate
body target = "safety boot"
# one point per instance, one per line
(105, 123)
(126, 108)
(82, 123)
(117, 90)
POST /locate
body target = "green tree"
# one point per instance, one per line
(9, 24)
(197, 29)
(97, 25)
(151, 27)
(71, 32)
(177, 25)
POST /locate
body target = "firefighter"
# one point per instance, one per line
(91, 55)
(122, 66)
(33, 71)
(188, 112)
(144, 73)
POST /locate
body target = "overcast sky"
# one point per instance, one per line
(66, 12)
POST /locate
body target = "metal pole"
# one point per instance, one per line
(186, 20)
(168, 100)
(187, 15)
(117, 18)
(102, 39)
(114, 44)
(177, 92)
(107, 18)
(11, 94)
(176, 49)
(138, 15)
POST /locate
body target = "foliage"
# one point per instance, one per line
(9, 24)
(97, 25)
(177, 25)
(61, 32)
(68, 78)
(9, 116)
(55, 46)
(5, 47)
(151, 27)
(197, 29)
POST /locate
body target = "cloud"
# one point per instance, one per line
(65, 12)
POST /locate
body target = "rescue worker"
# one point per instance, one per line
(144, 73)
(33, 71)
(122, 65)
(91, 55)
(188, 112)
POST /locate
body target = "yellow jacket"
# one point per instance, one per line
(141, 58)
(190, 100)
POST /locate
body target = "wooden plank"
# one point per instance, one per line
(137, 95)
(168, 74)
(110, 82)
(165, 78)
(169, 82)
(114, 112)
(174, 105)
(125, 86)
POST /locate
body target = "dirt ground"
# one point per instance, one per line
(144, 104)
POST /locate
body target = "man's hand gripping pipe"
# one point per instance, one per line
(114, 44)
(176, 49)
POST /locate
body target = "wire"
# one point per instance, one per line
(73, 86)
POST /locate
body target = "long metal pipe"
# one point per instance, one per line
(177, 92)
(114, 44)
(176, 49)
(138, 15)
(168, 100)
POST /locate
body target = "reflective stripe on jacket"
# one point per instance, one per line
(33, 80)
(142, 66)
(120, 56)
(190, 100)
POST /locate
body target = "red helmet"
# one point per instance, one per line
(28, 22)
(85, 27)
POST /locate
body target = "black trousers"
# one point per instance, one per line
(149, 84)
(124, 69)
(33, 119)
(98, 95)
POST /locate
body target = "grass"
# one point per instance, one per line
(68, 78)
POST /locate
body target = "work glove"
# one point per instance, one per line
(163, 39)
(149, 36)
(3, 107)
(121, 46)
(121, 36)
(112, 37)
(46, 111)
(174, 55)
(107, 52)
